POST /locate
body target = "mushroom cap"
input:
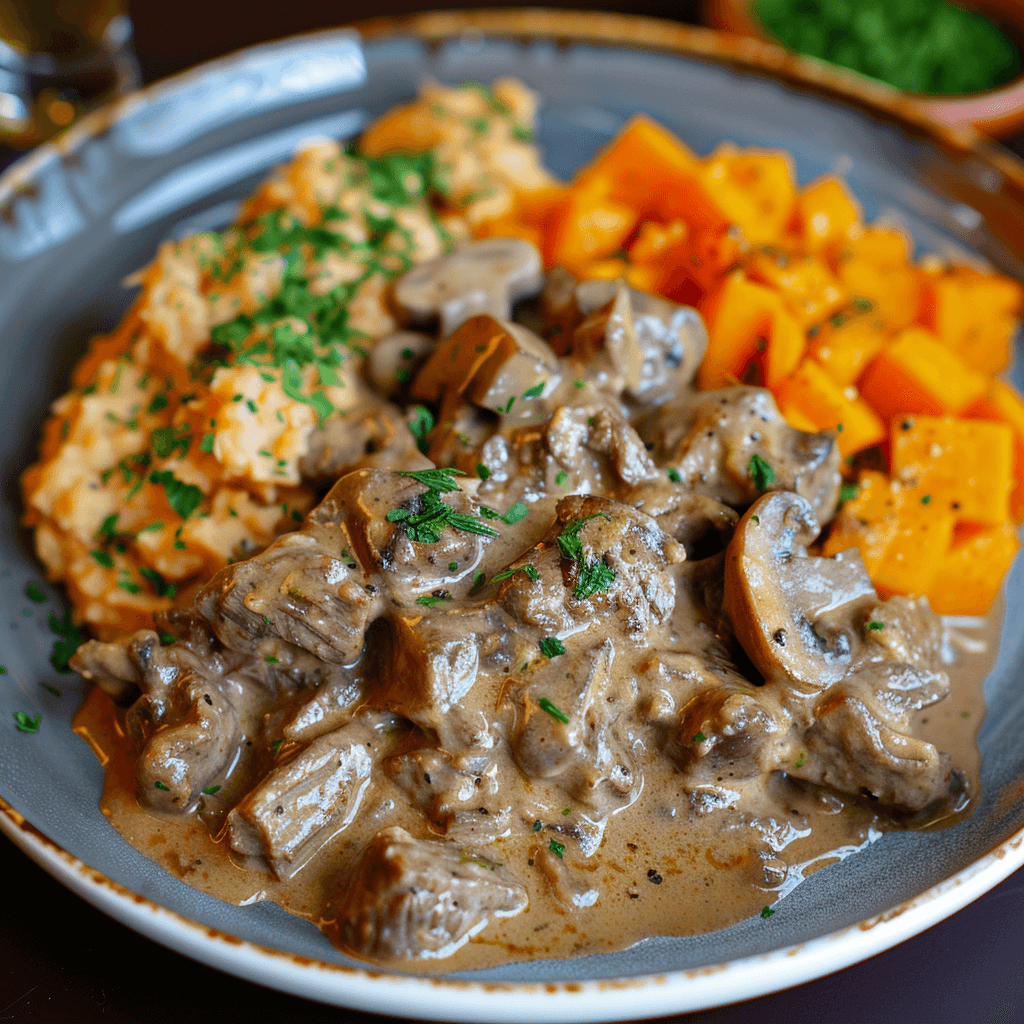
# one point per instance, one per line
(485, 276)
(794, 614)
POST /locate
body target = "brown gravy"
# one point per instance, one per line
(665, 867)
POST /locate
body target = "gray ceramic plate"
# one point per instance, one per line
(74, 220)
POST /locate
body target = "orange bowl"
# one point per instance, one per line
(998, 112)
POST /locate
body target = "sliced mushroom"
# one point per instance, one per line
(393, 360)
(479, 277)
(496, 364)
(797, 617)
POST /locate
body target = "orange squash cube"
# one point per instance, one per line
(825, 213)
(963, 466)
(1002, 403)
(918, 374)
(975, 314)
(844, 346)
(809, 289)
(811, 393)
(972, 571)
(587, 227)
(874, 264)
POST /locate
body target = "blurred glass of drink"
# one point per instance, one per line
(59, 58)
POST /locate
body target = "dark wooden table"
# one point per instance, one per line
(62, 962)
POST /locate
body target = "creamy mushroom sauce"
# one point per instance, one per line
(588, 744)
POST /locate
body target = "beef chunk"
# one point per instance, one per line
(301, 805)
(710, 438)
(414, 899)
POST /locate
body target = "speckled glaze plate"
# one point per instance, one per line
(77, 217)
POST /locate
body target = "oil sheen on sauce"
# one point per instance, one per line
(675, 863)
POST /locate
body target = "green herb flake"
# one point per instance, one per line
(801, 761)
(553, 710)
(535, 392)
(926, 499)
(566, 810)
(104, 559)
(270, 659)
(159, 402)
(35, 593)
(25, 723)
(537, 826)
(756, 519)
(210, 790)
(551, 647)
(557, 848)
(166, 639)
(530, 571)
(429, 600)
(699, 737)
(182, 497)
(673, 475)
(453, 566)
(580, 384)
(46, 686)
(760, 472)
(847, 492)
(875, 625)
(516, 513)
(421, 424)
(71, 638)
(162, 786)
(767, 912)
(560, 477)
(482, 471)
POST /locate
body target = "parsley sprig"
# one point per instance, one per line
(426, 523)
(594, 574)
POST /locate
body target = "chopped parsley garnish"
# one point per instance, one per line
(182, 497)
(482, 471)
(478, 582)
(847, 492)
(161, 785)
(557, 848)
(560, 477)
(594, 575)
(436, 479)
(517, 512)
(270, 659)
(35, 593)
(453, 566)
(26, 723)
(537, 826)
(874, 624)
(756, 519)
(767, 912)
(210, 790)
(802, 760)
(429, 600)
(71, 638)
(167, 440)
(46, 686)
(160, 585)
(699, 737)
(577, 383)
(553, 710)
(673, 475)
(760, 472)
(159, 402)
(166, 639)
(535, 392)
(530, 571)
(421, 425)
(551, 647)
(925, 499)
(104, 559)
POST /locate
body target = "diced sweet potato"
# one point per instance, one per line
(810, 290)
(825, 213)
(912, 558)
(1002, 403)
(874, 264)
(747, 322)
(869, 521)
(813, 394)
(587, 227)
(918, 374)
(960, 465)
(974, 314)
(972, 571)
(844, 348)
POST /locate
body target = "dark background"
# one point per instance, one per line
(62, 961)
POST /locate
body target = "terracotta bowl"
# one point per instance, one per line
(998, 112)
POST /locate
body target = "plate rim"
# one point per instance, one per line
(615, 998)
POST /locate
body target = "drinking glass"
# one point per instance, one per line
(59, 58)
